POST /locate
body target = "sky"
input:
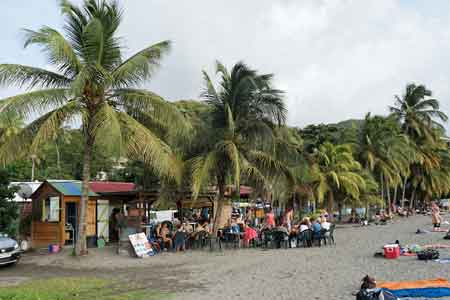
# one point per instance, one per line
(336, 59)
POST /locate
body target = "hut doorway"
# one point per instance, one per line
(72, 219)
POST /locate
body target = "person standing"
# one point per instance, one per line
(270, 219)
(289, 217)
(435, 216)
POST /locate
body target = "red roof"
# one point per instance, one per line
(111, 187)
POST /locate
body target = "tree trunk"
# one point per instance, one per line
(404, 191)
(219, 209)
(330, 204)
(81, 244)
(394, 200)
(58, 159)
(411, 202)
(388, 198)
(382, 188)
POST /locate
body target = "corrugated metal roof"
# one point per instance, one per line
(111, 186)
(69, 188)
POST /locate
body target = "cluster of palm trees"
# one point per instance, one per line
(237, 134)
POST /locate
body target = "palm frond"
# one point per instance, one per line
(140, 66)
(31, 77)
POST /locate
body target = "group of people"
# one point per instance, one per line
(236, 227)
(177, 239)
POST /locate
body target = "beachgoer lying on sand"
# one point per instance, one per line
(369, 291)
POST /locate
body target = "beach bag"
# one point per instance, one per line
(428, 254)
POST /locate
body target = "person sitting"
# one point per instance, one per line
(179, 238)
(316, 229)
(305, 224)
(249, 235)
(234, 227)
(165, 236)
(324, 223)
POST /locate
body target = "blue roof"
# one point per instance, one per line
(69, 188)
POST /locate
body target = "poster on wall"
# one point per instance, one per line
(54, 209)
(140, 244)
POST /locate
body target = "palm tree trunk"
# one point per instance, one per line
(58, 159)
(404, 191)
(382, 188)
(330, 203)
(394, 200)
(220, 204)
(411, 202)
(388, 198)
(81, 245)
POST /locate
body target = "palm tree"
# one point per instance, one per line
(335, 171)
(244, 109)
(418, 113)
(420, 117)
(95, 85)
(383, 150)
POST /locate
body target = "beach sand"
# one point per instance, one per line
(331, 272)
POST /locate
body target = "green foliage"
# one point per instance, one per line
(9, 211)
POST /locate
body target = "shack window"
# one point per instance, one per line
(51, 209)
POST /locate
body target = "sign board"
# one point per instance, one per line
(140, 244)
(54, 209)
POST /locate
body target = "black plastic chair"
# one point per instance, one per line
(306, 237)
(328, 235)
(280, 238)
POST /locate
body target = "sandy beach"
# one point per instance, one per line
(331, 272)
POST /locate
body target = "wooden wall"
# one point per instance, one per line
(44, 234)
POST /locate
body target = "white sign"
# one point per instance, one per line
(54, 209)
(140, 244)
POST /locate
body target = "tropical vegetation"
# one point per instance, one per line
(88, 113)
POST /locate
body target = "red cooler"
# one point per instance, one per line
(391, 251)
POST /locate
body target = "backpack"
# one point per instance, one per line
(368, 294)
(428, 254)
(447, 236)
(374, 294)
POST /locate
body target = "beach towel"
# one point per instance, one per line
(430, 288)
(437, 246)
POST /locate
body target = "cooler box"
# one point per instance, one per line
(391, 251)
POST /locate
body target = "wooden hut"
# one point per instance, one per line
(55, 209)
(54, 204)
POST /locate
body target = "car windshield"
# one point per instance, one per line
(3, 235)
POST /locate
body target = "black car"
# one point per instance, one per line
(9, 250)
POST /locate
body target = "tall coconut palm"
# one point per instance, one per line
(384, 150)
(244, 109)
(93, 84)
(421, 120)
(418, 113)
(336, 172)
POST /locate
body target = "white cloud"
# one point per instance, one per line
(336, 59)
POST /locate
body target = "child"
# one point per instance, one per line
(180, 238)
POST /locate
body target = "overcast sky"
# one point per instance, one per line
(336, 59)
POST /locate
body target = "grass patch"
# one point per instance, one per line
(70, 288)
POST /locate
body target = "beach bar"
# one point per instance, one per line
(56, 210)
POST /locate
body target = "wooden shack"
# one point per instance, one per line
(56, 209)
(54, 204)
